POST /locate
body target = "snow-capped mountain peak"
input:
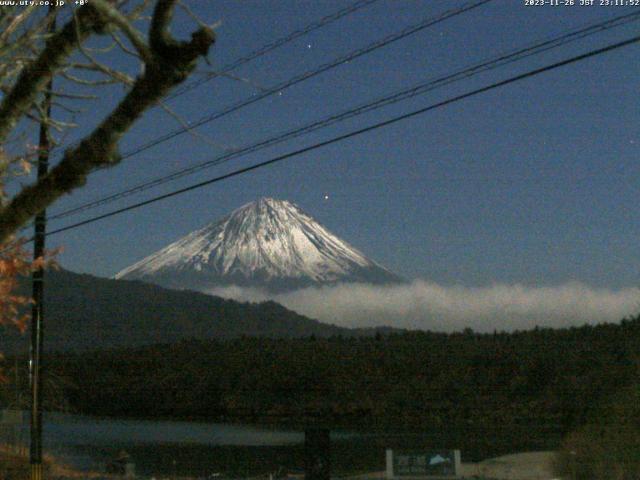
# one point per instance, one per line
(268, 243)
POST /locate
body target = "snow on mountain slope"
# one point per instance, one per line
(269, 243)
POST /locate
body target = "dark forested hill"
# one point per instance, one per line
(533, 382)
(87, 312)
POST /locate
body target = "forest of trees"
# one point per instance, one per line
(489, 393)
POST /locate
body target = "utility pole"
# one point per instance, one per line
(35, 360)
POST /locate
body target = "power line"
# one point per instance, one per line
(358, 132)
(412, 29)
(404, 94)
(315, 25)
(322, 22)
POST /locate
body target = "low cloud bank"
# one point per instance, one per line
(429, 306)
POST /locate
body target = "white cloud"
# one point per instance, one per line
(429, 306)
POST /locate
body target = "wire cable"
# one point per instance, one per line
(356, 133)
(421, 88)
(322, 22)
(412, 29)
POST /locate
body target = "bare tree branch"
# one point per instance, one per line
(123, 47)
(190, 130)
(33, 78)
(15, 23)
(138, 10)
(91, 83)
(73, 96)
(170, 63)
(116, 18)
(115, 74)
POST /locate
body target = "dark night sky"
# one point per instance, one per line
(534, 183)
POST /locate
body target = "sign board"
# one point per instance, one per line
(428, 464)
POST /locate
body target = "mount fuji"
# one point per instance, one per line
(269, 244)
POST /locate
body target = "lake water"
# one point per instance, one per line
(162, 448)
(76, 430)
(165, 448)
